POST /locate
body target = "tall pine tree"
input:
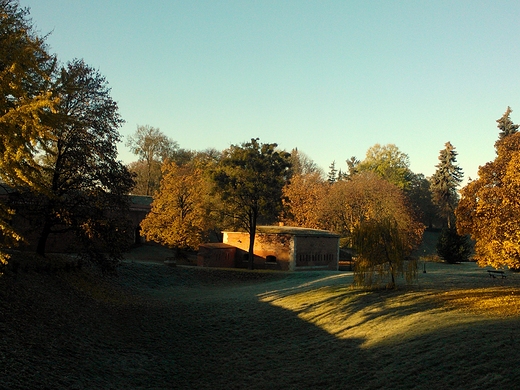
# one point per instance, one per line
(506, 125)
(445, 181)
(332, 176)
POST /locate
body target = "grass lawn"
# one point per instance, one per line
(159, 327)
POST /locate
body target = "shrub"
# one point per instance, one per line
(452, 247)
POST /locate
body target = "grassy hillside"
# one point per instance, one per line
(159, 327)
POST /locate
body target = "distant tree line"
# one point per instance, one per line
(254, 183)
(378, 205)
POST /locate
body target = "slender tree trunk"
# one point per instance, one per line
(252, 234)
(148, 175)
(48, 204)
(44, 235)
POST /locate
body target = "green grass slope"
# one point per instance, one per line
(159, 327)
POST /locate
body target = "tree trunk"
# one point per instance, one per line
(42, 241)
(252, 234)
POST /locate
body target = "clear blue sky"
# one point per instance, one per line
(331, 78)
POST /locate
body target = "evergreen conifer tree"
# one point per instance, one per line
(445, 181)
(332, 175)
(506, 125)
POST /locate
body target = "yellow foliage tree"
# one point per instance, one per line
(302, 198)
(179, 217)
(489, 208)
(376, 219)
(25, 99)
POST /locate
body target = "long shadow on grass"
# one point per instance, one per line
(411, 338)
(71, 340)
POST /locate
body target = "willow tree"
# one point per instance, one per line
(375, 218)
(26, 68)
(249, 179)
(382, 247)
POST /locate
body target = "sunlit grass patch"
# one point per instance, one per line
(499, 301)
(377, 317)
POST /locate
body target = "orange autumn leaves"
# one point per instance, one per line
(489, 209)
(179, 215)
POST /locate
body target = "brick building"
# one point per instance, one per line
(279, 247)
(139, 207)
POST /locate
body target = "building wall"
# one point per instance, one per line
(291, 252)
(277, 246)
(216, 255)
(316, 252)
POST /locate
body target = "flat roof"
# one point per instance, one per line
(293, 230)
(216, 245)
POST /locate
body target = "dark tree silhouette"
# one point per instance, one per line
(250, 178)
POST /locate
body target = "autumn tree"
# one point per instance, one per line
(26, 68)
(84, 185)
(388, 162)
(445, 181)
(249, 179)
(180, 216)
(489, 209)
(302, 199)
(374, 217)
(303, 192)
(152, 148)
(366, 197)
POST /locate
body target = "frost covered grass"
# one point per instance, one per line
(182, 327)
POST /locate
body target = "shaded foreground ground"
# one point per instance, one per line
(159, 327)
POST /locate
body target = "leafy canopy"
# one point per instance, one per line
(180, 214)
(153, 148)
(249, 179)
(388, 162)
(84, 185)
(302, 198)
(489, 209)
(377, 220)
(26, 68)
